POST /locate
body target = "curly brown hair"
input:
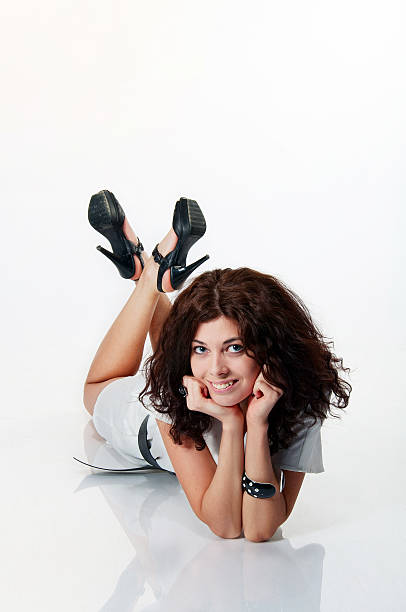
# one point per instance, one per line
(276, 328)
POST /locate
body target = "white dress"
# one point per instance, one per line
(118, 415)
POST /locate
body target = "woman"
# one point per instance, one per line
(238, 385)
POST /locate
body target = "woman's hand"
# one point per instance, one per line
(198, 399)
(263, 399)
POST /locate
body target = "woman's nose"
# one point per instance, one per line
(218, 365)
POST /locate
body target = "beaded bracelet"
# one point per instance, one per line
(262, 490)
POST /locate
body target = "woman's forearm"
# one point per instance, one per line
(222, 503)
(261, 517)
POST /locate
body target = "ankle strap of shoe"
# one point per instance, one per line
(157, 255)
(136, 248)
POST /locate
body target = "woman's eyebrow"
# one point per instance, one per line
(225, 341)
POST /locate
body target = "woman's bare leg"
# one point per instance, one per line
(162, 310)
(120, 352)
(163, 306)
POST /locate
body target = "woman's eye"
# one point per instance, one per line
(198, 347)
(239, 347)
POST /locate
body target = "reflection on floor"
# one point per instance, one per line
(80, 539)
(180, 564)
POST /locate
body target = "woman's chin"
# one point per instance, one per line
(227, 401)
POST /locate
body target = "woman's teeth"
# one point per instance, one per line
(223, 386)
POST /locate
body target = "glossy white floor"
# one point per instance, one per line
(85, 541)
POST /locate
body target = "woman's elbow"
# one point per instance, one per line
(257, 537)
(227, 534)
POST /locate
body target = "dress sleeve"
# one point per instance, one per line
(305, 452)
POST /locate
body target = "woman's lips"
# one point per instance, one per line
(223, 390)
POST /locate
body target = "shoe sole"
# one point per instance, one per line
(196, 218)
(106, 216)
(191, 221)
(189, 225)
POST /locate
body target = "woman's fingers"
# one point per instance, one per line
(262, 382)
(198, 399)
(196, 392)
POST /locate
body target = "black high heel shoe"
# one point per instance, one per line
(189, 225)
(107, 217)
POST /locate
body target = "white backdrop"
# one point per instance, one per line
(285, 121)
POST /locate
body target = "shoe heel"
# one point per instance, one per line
(179, 275)
(121, 265)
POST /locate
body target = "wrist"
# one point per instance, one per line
(233, 422)
(257, 424)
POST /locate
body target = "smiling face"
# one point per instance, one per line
(218, 357)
